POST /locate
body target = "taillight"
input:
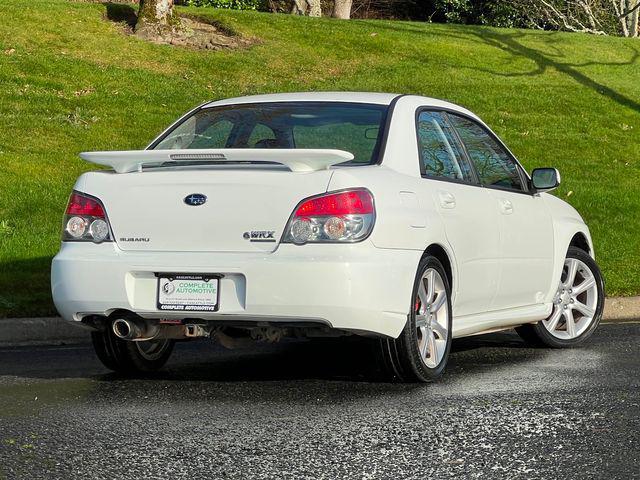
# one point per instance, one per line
(85, 220)
(346, 216)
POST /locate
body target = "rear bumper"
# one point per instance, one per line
(349, 287)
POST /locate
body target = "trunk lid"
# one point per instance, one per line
(246, 209)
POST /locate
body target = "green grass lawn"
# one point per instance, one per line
(70, 81)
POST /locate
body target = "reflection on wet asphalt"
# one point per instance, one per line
(312, 410)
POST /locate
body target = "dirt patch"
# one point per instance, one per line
(199, 34)
(191, 32)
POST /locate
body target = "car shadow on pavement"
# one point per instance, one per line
(348, 360)
(315, 372)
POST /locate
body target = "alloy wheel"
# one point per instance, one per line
(432, 318)
(575, 303)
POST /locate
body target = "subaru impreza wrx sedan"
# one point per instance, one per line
(396, 217)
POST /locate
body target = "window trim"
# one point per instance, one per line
(474, 180)
(524, 176)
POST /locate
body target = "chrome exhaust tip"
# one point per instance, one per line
(125, 329)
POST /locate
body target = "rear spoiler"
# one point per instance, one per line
(297, 160)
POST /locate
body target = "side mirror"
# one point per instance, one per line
(545, 179)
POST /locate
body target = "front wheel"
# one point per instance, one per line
(577, 305)
(421, 351)
(130, 358)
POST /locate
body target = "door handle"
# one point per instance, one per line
(447, 200)
(506, 207)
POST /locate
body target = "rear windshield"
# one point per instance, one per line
(354, 127)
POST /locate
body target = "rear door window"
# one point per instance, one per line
(438, 148)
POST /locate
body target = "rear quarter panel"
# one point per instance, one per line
(405, 219)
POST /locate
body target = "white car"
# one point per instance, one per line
(396, 217)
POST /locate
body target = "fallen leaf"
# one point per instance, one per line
(84, 91)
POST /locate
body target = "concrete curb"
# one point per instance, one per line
(40, 331)
(55, 331)
(621, 309)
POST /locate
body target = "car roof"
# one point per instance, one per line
(352, 97)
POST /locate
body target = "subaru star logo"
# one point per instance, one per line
(195, 199)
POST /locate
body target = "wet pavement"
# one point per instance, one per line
(304, 410)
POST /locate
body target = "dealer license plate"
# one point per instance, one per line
(193, 293)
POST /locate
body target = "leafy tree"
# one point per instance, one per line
(230, 4)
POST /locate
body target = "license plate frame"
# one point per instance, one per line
(186, 303)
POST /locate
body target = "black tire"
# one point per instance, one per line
(538, 335)
(400, 357)
(129, 358)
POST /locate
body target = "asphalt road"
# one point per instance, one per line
(303, 410)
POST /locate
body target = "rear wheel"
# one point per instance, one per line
(421, 351)
(128, 357)
(577, 305)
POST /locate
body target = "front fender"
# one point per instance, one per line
(567, 222)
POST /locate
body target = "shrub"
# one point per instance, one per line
(232, 4)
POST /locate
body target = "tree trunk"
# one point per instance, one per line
(299, 7)
(623, 20)
(342, 9)
(156, 18)
(314, 8)
(633, 19)
(311, 8)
